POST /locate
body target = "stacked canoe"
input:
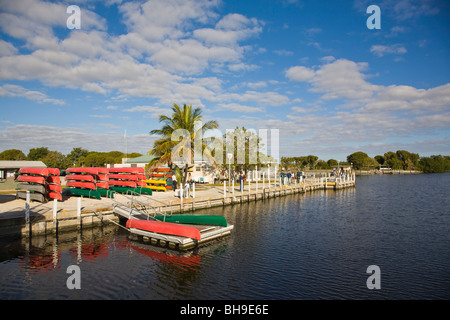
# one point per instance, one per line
(43, 184)
(160, 179)
(88, 182)
(126, 180)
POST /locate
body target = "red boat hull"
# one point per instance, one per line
(131, 184)
(164, 228)
(80, 177)
(55, 187)
(53, 179)
(55, 195)
(133, 177)
(35, 179)
(127, 170)
(39, 171)
(102, 184)
(88, 170)
(79, 184)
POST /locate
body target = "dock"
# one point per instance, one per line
(21, 218)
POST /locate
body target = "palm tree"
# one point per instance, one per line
(164, 149)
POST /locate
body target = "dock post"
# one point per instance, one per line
(181, 198)
(27, 214)
(263, 180)
(55, 215)
(79, 213)
(193, 190)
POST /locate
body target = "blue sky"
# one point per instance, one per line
(311, 69)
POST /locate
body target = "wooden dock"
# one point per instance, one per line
(74, 213)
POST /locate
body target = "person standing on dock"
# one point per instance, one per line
(174, 181)
(241, 181)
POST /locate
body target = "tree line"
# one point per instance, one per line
(399, 160)
(78, 157)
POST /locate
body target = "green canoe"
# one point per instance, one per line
(194, 219)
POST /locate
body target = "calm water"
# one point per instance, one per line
(313, 246)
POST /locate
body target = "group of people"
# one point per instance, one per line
(290, 177)
(187, 187)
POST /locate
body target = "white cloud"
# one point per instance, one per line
(283, 52)
(372, 113)
(25, 137)
(7, 49)
(156, 58)
(240, 108)
(10, 90)
(339, 79)
(300, 73)
(380, 50)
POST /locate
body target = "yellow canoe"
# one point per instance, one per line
(157, 188)
(155, 181)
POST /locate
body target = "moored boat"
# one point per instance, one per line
(194, 219)
(164, 228)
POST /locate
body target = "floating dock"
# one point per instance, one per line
(207, 233)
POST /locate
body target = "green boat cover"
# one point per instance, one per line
(138, 190)
(106, 192)
(194, 219)
(85, 192)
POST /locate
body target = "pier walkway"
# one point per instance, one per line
(75, 212)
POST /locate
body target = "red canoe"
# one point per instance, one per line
(127, 170)
(157, 174)
(54, 171)
(84, 170)
(122, 183)
(80, 184)
(102, 170)
(164, 228)
(80, 177)
(35, 179)
(53, 179)
(122, 176)
(55, 187)
(38, 171)
(102, 177)
(55, 195)
(102, 184)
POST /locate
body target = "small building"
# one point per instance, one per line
(9, 167)
(138, 162)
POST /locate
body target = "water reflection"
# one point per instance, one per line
(313, 246)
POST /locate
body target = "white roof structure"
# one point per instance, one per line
(17, 164)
